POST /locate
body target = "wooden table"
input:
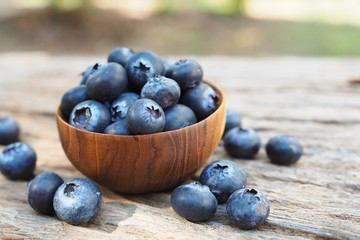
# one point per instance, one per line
(309, 98)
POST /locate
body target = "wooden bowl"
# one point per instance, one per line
(143, 163)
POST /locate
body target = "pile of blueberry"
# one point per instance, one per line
(139, 93)
(76, 201)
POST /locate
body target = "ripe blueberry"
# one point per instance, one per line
(9, 131)
(145, 116)
(186, 72)
(121, 105)
(242, 143)
(233, 119)
(120, 55)
(71, 98)
(41, 191)
(194, 202)
(164, 91)
(77, 201)
(85, 75)
(247, 208)
(202, 99)
(179, 116)
(90, 115)
(284, 150)
(106, 82)
(18, 161)
(142, 66)
(223, 177)
(120, 127)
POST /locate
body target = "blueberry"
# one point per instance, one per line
(18, 161)
(120, 127)
(71, 98)
(145, 116)
(90, 115)
(242, 143)
(284, 150)
(142, 66)
(121, 105)
(9, 131)
(194, 202)
(247, 208)
(223, 177)
(106, 82)
(120, 55)
(233, 119)
(179, 116)
(186, 72)
(85, 75)
(202, 99)
(164, 91)
(167, 65)
(77, 201)
(42, 190)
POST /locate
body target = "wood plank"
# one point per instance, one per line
(310, 98)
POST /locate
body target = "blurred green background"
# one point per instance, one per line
(202, 27)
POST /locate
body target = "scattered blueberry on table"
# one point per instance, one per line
(284, 150)
(233, 119)
(9, 130)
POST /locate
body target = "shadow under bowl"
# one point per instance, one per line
(143, 163)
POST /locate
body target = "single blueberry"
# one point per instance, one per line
(145, 116)
(242, 143)
(142, 66)
(167, 66)
(90, 115)
(202, 99)
(71, 98)
(41, 191)
(179, 116)
(106, 82)
(121, 105)
(186, 72)
(120, 55)
(284, 150)
(77, 201)
(247, 208)
(223, 177)
(120, 127)
(164, 91)
(194, 202)
(18, 161)
(233, 119)
(9, 131)
(85, 75)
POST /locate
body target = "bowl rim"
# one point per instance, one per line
(60, 117)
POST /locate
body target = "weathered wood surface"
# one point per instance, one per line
(309, 98)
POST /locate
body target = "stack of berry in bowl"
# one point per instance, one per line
(139, 123)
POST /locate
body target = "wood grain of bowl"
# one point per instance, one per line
(143, 163)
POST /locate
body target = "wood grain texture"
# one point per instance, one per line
(143, 163)
(309, 98)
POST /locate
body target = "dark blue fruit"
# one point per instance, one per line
(167, 65)
(242, 143)
(18, 161)
(247, 208)
(186, 72)
(284, 150)
(194, 202)
(164, 91)
(120, 55)
(120, 127)
(121, 105)
(202, 99)
(223, 177)
(179, 116)
(9, 131)
(142, 66)
(106, 82)
(146, 116)
(90, 115)
(77, 201)
(71, 98)
(85, 75)
(233, 120)
(41, 191)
